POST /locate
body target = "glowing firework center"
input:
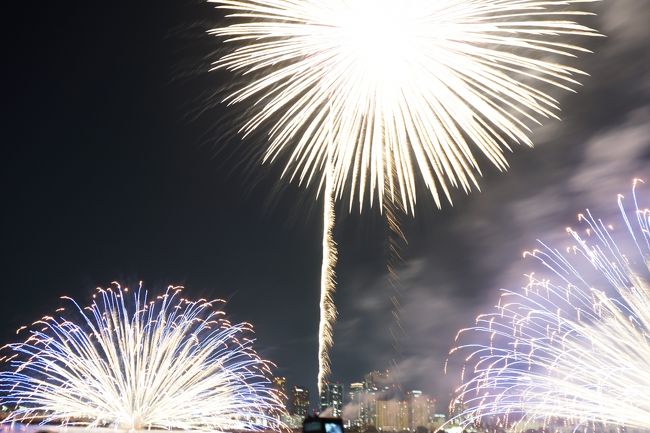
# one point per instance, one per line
(380, 41)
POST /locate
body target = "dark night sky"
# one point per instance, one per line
(108, 174)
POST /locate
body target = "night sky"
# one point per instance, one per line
(118, 164)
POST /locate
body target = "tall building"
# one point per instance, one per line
(376, 381)
(392, 415)
(300, 401)
(378, 401)
(280, 386)
(331, 397)
(456, 408)
(375, 385)
(436, 420)
(356, 399)
(369, 408)
(420, 409)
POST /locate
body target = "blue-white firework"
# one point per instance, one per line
(573, 347)
(134, 362)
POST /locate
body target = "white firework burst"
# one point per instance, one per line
(572, 348)
(131, 362)
(386, 89)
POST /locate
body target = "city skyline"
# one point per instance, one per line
(375, 401)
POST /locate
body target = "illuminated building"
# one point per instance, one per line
(356, 396)
(280, 385)
(392, 415)
(419, 407)
(369, 409)
(436, 420)
(300, 401)
(457, 408)
(331, 397)
(376, 381)
(379, 402)
(374, 386)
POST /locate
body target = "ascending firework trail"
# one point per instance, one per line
(401, 89)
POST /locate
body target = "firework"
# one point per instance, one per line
(328, 285)
(132, 362)
(573, 347)
(406, 85)
(364, 96)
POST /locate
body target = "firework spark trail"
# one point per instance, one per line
(407, 88)
(396, 241)
(327, 306)
(135, 363)
(574, 346)
(328, 286)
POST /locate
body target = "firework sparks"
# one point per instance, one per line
(408, 86)
(573, 347)
(374, 94)
(328, 285)
(133, 363)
